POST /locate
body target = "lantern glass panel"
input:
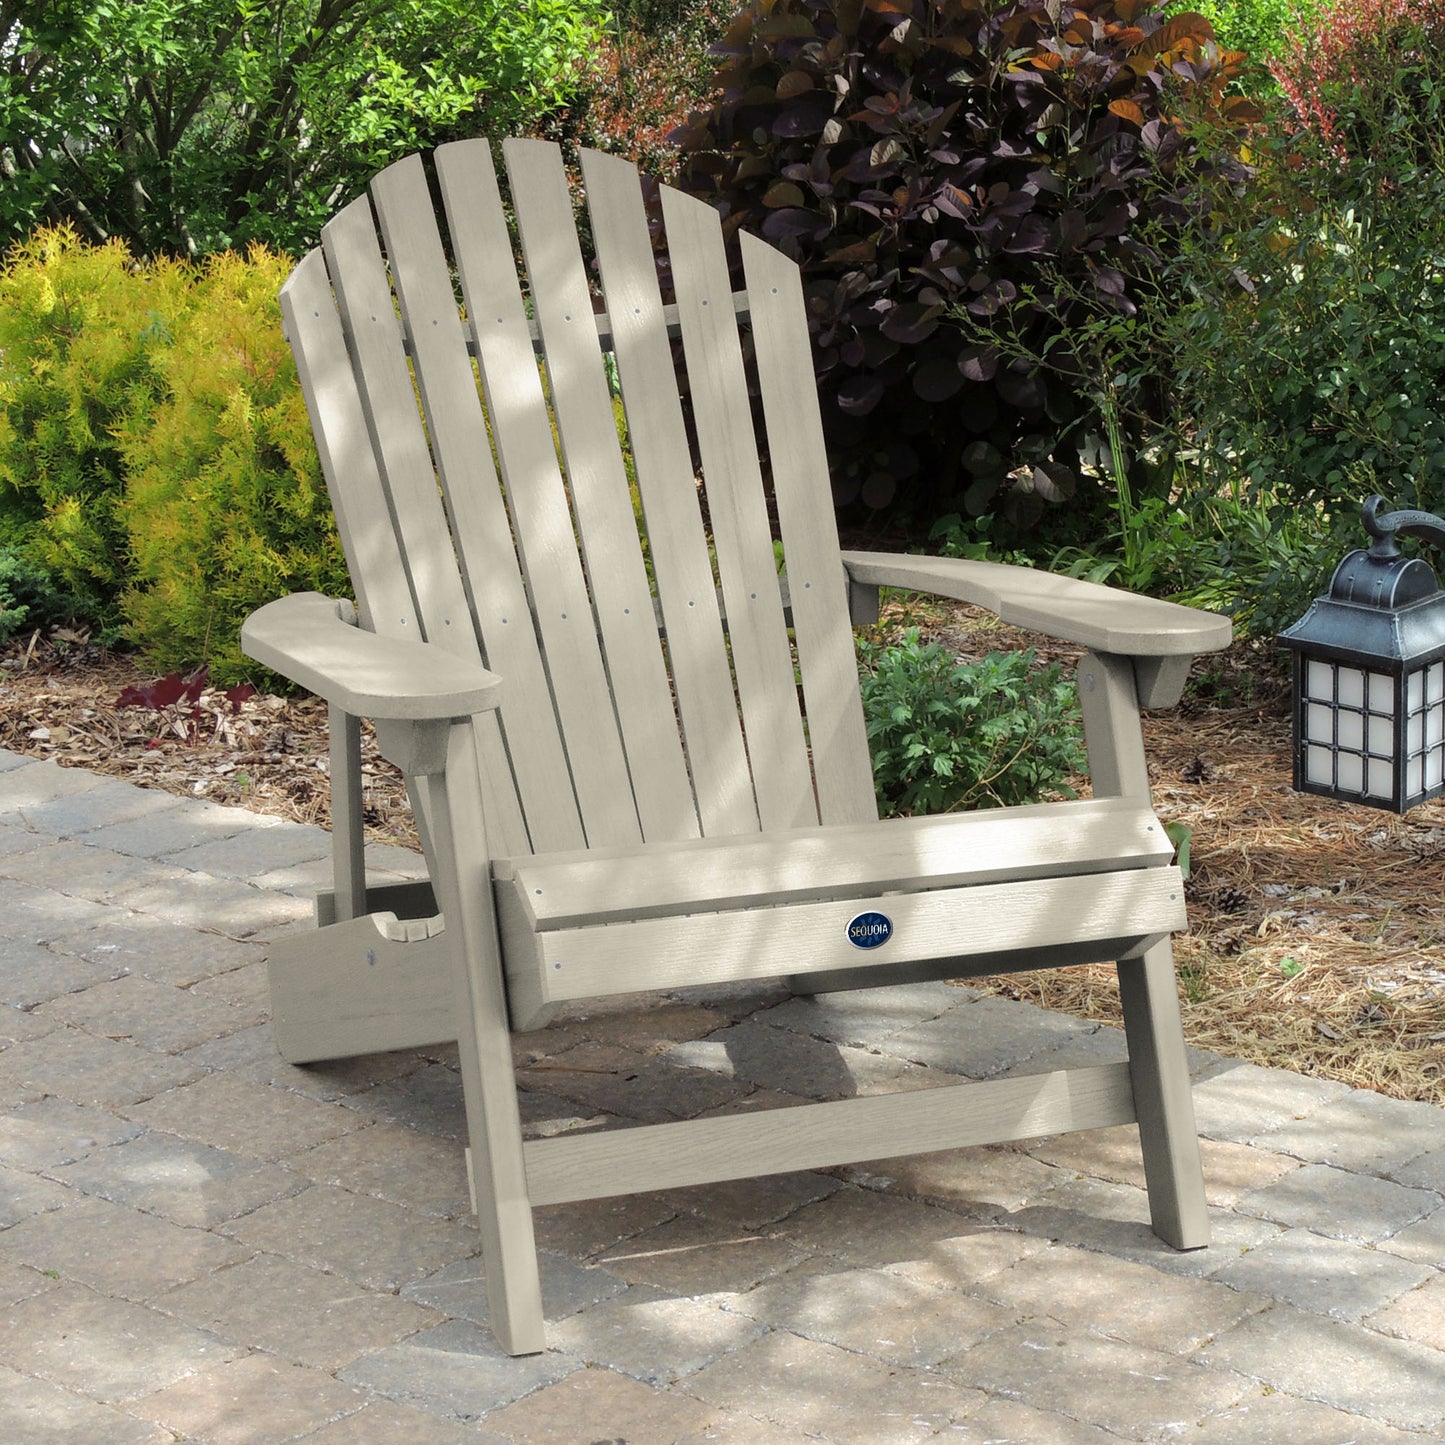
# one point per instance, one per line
(1319, 680)
(1319, 723)
(1382, 736)
(1320, 766)
(1382, 778)
(1351, 729)
(1351, 687)
(1425, 730)
(1382, 693)
(1351, 772)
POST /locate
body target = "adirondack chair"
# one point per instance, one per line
(618, 785)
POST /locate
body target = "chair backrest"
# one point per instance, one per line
(650, 690)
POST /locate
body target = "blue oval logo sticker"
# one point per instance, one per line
(870, 930)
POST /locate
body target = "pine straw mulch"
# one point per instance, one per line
(1317, 939)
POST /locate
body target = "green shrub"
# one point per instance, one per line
(1297, 334)
(1312, 357)
(155, 457)
(1257, 565)
(190, 126)
(1360, 65)
(947, 734)
(1260, 27)
(920, 157)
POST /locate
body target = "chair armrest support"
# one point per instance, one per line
(308, 638)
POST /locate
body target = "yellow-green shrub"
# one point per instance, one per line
(225, 506)
(154, 449)
(78, 327)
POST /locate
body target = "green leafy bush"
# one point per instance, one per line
(188, 126)
(1260, 566)
(155, 456)
(1260, 27)
(1297, 334)
(1312, 357)
(919, 157)
(1361, 64)
(947, 734)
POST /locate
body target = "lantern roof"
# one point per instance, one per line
(1383, 610)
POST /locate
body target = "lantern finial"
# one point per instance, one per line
(1425, 525)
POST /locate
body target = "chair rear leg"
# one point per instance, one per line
(494, 1126)
(1159, 1068)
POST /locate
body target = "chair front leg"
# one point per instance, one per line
(494, 1128)
(1163, 1099)
(1148, 991)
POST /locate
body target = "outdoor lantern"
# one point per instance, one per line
(1369, 673)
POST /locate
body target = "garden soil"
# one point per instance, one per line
(1317, 929)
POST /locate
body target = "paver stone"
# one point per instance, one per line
(251, 1399)
(1344, 1365)
(295, 1312)
(599, 1404)
(107, 1349)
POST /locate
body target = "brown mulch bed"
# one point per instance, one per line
(59, 698)
(1317, 937)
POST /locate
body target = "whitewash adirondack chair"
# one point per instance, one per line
(618, 784)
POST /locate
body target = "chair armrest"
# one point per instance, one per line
(307, 638)
(1103, 619)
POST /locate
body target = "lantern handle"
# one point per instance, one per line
(1425, 525)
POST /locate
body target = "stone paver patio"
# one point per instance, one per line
(201, 1243)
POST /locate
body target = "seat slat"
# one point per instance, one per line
(663, 461)
(945, 851)
(1130, 905)
(817, 584)
(747, 565)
